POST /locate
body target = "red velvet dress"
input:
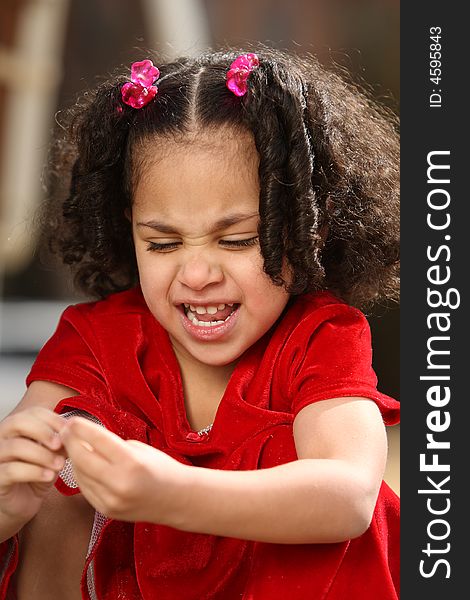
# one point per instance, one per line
(121, 361)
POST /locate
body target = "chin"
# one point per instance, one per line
(216, 359)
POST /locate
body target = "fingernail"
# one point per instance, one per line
(55, 441)
(58, 462)
(87, 446)
(48, 475)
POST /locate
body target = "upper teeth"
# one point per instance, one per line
(202, 310)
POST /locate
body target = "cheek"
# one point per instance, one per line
(144, 267)
(153, 273)
(267, 298)
(249, 274)
(261, 282)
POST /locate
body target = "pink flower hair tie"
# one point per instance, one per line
(240, 69)
(139, 91)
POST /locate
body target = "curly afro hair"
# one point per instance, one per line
(328, 173)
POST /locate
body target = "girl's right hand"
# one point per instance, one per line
(31, 456)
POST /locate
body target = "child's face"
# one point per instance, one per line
(195, 220)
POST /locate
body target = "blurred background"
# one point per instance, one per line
(51, 50)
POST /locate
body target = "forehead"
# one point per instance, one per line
(216, 169)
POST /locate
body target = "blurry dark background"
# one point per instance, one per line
(51, 50)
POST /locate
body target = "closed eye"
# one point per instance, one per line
(239, 243)
(168, 246)
(158, 247)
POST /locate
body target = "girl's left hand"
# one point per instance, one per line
(125, 480)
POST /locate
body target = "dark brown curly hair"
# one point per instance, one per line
(328, 172)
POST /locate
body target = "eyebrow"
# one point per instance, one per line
(219, 225)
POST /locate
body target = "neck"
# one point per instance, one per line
(203, 387)
(192, 367)
(206, 375)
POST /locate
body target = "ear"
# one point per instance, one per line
(128, 214)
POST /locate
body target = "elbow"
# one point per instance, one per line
(352, 524)
(360, 513)
(355, 516)
(359, 523)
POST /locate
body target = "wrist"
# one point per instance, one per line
(11, 524)
(180, 508)
(7, 516)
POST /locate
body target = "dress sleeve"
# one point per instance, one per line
(71, 357)
(332, 358)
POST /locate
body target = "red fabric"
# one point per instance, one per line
(120, 360)
(8, 563)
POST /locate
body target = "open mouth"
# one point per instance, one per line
(210, 316)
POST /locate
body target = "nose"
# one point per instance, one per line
(200, 270)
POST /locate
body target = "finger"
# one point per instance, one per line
(85, 461)
(101, 441)
(20, 472)
(92, 491)
(38, 424)
(26, 450)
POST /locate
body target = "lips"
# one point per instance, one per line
(209, 329)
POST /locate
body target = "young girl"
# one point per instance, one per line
(223, 420)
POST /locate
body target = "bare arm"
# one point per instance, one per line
(44, 393)
(328, 495)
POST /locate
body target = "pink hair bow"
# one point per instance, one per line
(139, 91)
(239, 71)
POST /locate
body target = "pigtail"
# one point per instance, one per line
(276, 110)
(263, 121)
(357, 166)
(329, 198)
(95, 233)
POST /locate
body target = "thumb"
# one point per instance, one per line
(41, 489)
